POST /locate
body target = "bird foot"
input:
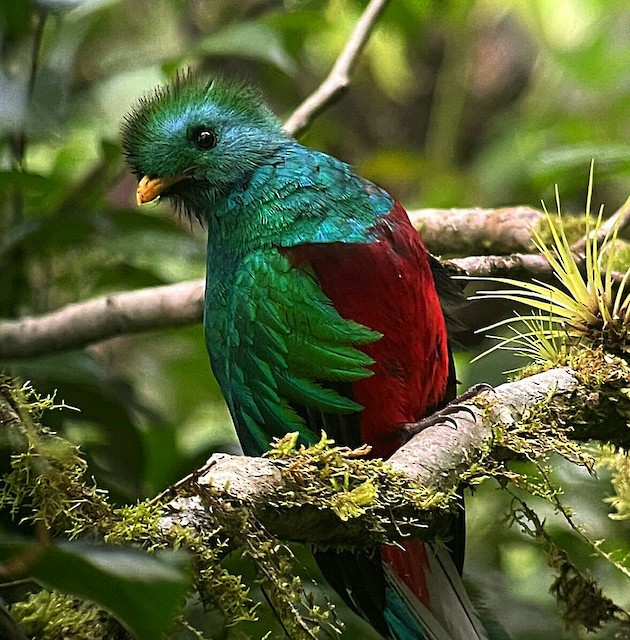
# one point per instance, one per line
(443, 415)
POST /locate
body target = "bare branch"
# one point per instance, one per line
(516, 265)
(79, 324)
(339, 77)
(83, 323)
(505, 228)
(463, 232)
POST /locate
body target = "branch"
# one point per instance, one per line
(444, 231)
(293, 497)
(464, 232)
(83, 323)
(516, 265)
(436, 460)
(339, 77)
(9, 629)
(80, 324)
(620, 220)
(233, 502)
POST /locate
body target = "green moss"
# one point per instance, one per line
(49, 479)
(600, 408)
(50, 615)
(597, 410)
(138, 523)
(301, 617)
(216, 587)
(619, 464)
(574, 227)
(365, 491)
(579, 597)
(324, 478)
(364, 494)
(48, 474)
(621, 258)
(351, 504)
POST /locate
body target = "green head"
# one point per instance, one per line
(192, 140)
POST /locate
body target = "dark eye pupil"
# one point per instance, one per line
(204, 138)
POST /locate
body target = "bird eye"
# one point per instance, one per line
(204, 138)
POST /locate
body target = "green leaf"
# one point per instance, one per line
(142, 591)
(15, 18)
(81, 7)
(10, 180)
(608, 157)
(253, 40)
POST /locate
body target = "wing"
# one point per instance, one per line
(286, 342)
(387, 284)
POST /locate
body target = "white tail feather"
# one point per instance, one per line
(451, 615)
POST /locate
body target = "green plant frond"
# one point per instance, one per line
(537, 301)
(560, 256)
(542, 289)
(526, 295)
(571, 279)
(506, 322)
(560, 313)
(621, 300)
(542, 340)
(589, 190)
(621, 305)
(590, 301)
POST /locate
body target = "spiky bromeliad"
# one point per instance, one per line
(321, 311)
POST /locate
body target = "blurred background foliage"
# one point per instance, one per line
(455, 104)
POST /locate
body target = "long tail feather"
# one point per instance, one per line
(426, 597)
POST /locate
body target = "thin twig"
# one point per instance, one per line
(339, 77)
(619, 219)
(16, 276)
(19, 140)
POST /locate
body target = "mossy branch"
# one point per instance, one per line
(320, 494)
(323, 494)
(294, 495)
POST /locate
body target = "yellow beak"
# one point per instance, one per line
(150, 188)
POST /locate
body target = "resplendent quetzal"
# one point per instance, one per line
(321, 312)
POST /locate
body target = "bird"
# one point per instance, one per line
(321, 313)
